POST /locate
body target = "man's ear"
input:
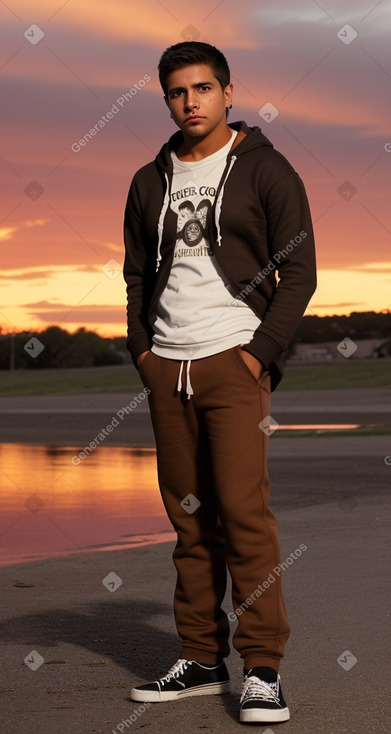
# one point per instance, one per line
(166, 101)
(228, 95)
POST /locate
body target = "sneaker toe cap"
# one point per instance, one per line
(148, 687)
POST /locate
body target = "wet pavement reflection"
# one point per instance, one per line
(54, 501)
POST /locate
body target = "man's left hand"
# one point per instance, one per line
(252, 363)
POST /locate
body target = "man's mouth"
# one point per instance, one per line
(194, 118)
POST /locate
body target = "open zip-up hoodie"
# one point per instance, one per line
(260, 223)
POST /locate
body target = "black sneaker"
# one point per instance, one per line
(185, 678)
(262, 700)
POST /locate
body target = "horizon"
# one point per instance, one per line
(4, 332)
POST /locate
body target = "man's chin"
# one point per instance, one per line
(196, 131)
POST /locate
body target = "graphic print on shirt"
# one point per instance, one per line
(192, 210)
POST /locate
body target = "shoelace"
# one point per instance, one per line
(176, 670)
(256, 688)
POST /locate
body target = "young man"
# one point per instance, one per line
(207, 225)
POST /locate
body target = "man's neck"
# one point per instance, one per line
(194, 149)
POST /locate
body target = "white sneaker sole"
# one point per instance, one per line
(264, 716)
(156, 696)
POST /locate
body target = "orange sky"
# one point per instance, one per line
(333, 103)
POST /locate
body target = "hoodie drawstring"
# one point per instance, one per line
(163, 210)
(220, 199)
(189, 389)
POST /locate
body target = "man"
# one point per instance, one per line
(207, 328)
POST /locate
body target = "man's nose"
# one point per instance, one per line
(190, 102)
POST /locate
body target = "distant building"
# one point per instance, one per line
(326, 351)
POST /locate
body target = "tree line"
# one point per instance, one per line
(56, 347)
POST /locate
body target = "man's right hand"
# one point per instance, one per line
(141, 357)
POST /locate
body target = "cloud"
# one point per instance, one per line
(37, 274)
(6, 233)
(35, 222)
(46, 304)
(337, 305)
(371, 268)
(58, 312)
(46, 273)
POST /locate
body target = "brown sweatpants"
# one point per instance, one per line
(211, 448)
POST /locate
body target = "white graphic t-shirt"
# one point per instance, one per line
(195, 315)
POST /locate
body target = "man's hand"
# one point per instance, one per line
(141, 357)
(252, 363)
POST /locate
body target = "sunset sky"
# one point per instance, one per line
(61, 209)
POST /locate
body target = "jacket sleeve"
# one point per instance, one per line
(138, 273)
(292, 251)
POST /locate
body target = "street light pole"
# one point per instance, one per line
(12, 352)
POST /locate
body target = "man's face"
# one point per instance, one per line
(196, 101)
(193, 231)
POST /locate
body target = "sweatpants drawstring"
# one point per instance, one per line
(189, 389)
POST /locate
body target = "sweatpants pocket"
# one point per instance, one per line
(144, 367)
(239, 358)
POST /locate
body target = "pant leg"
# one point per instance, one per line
(184, 469)
(233, 404)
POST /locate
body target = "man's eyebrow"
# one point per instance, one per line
(194, 86)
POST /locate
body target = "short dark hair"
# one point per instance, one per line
(186, 205)
(190, 53)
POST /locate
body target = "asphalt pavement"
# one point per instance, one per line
(72, 647)
(74, 420)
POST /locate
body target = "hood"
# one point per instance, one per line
(247, 139)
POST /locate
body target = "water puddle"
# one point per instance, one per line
(53, 503)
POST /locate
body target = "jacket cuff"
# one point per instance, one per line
(136, 346)
(263, 349)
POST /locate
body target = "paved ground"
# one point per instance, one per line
(96, 644)
(331, 494)
(74, 420)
